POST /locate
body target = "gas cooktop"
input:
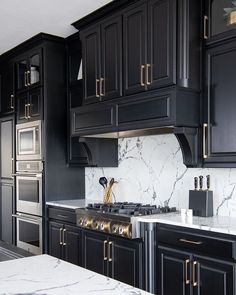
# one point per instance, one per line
(116, 218)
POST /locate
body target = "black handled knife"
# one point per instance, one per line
(200, 182)
(195, 183)
(208, 182)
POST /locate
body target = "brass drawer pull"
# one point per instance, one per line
(205, 27)
(148, 66)
(64, 232)
(187, 281)
(190, 242)
(25, 79)
(194, 273)
(104, 250)
(11, 102)
(142, 75)
(97, 86)
(110, 252)
(205, 154)
(102, 87)
(61, 229)
(28, 78)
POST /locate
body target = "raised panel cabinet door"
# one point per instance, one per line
(72, 244)
(161, 62)
(7, 89)
(111, 57)
(125, 261)
(95, 252)
(135, 48)
(173, 272)
(35, 104)
(220, 103)
(6, 149)
(55, 232)
(22, 107)
(6, 211)
(213, 277)
(91, 58)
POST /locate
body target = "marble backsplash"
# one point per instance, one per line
(151, 170)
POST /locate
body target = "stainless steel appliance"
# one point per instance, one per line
(29, 187)
(117, 218)
(29, 233)
(29, 141)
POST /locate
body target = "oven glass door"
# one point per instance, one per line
(29, 233)
(29, 194)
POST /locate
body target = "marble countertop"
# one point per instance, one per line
(46, 275)
(220, 224)
(70, 204)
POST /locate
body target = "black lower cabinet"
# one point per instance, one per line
(118, 258)
(64, 242)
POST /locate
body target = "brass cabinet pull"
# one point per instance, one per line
(187, 281)
(29, 111)
(64, 232)
(104, 250)
(190, 242)
(194, 273)
(205, 154)
(11, 101)
(142, 75)
(148, 66)
(110, 252)
(102, 87)
(97, 90)
(205, 27)
(61, 229)
(26, 79)
(26, 110)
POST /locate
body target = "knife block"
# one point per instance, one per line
(201, 202)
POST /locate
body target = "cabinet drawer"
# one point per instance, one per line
(197, 243)
(62, 215)
(90, 119)
(150, 109)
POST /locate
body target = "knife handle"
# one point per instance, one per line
(200, 182)
(195, 183)
(208, 181)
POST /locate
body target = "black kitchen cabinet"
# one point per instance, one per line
(102, 59)
(194, 263)
(7, 91)
(219, 144)
(115, 257)
(149, 31)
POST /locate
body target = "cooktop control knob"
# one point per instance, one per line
(81, 221)
(96, 225)
(124, 230)
(88, 222)
(105, 226)
(115, 229)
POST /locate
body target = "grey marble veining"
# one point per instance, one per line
(219, 224)
(151, 170)
(44, 274)
(70, 204)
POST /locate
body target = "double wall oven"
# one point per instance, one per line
(29, 186)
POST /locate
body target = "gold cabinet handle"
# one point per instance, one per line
(26, 79)
(102, 87)
(205, 154)
(97, 86)
(110, 251)
(29, 111)
(104, 250)
(11, 102)
(190, 242)
(26, 111)
(194, 273)
(205, 27)
(61, 229)
(142, 75)
(148, 67)
(187, 281)
(64, 233)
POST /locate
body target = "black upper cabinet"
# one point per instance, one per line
(149, 46)
(101, 55)
(219, 144)
(7, 92)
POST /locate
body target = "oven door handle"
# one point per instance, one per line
(38, 175)
(24, 217)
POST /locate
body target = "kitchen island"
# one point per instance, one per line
(45, 274)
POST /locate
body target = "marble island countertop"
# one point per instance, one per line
(71, 204)
(46, 275)
(219, 224)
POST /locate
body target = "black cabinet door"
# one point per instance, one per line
(6, 211)
(55, 233)
(212, 277)
(22, 75)
(6, 149)
(7, 89)
(161, 67)
(125, 261)
(173, 272)
(22, 107)
(111, 58)
(91, 53)
(135, 48)
(95, 252)
(35, 104)
(72, 244)
(220, 103)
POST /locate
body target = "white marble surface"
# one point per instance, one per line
(151, 170)
(220, 224)
(48, 275)
(70, 204)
